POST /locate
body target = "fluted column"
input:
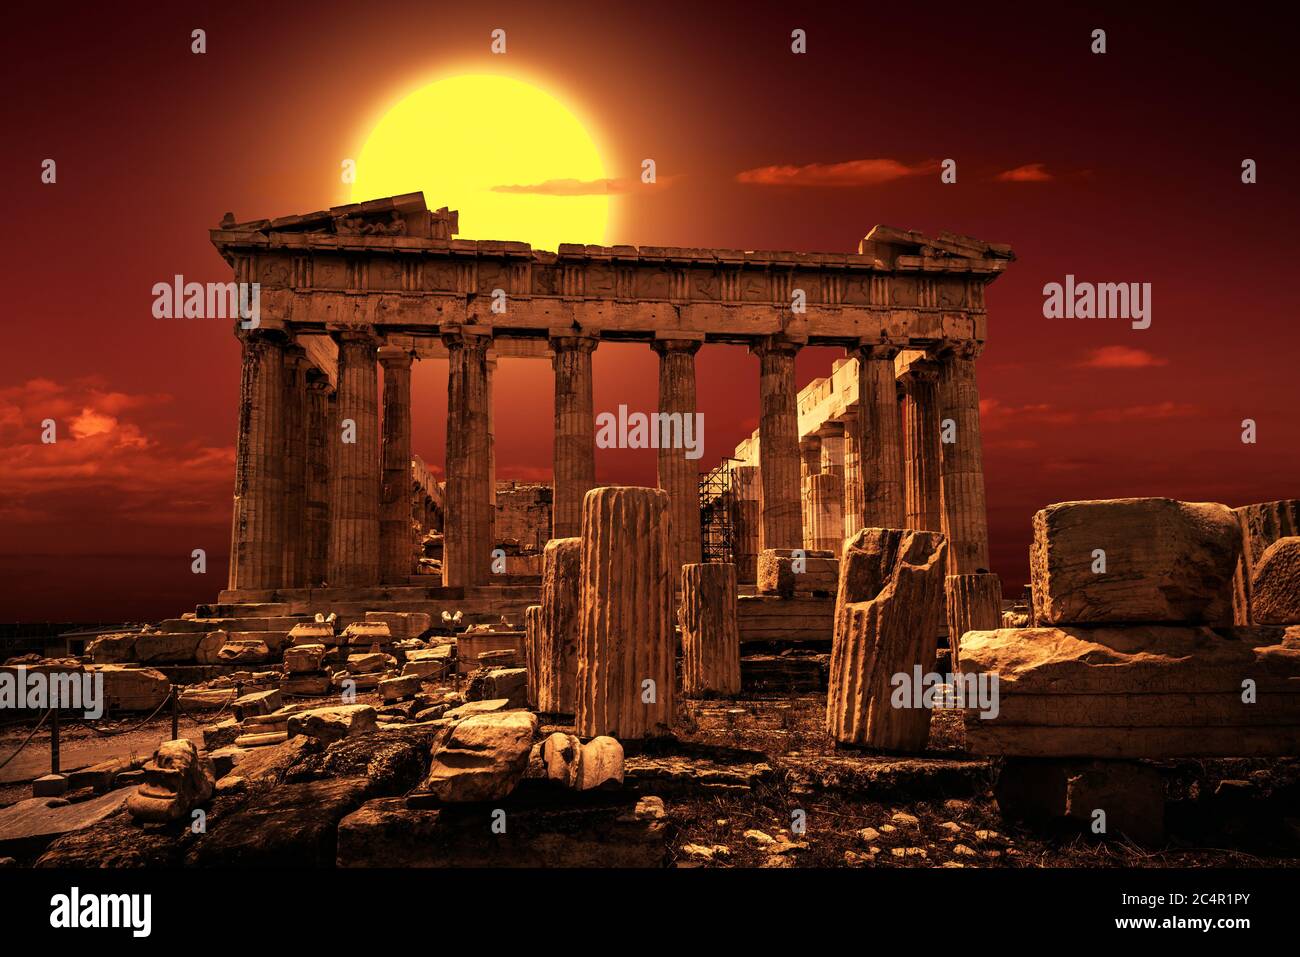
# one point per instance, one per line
(574, 465)
(294, 572)
(921, 446)
(316, 514)
(880, 440)
(396, 539)
(810, 464)
(257, 526)
(710, 636)
(778, 451)
(625, 675)
(832, 436)
(354, 480)
(745, 522)
(854, 504)
(492, 437)
(678, 475)
(961, 465)
(467, 537)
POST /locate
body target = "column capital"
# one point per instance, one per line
(685, 346)
(275, 337)
(463, 336)
(922, 370)
(779, 344)
(960, 349)
(573, 339)
(883, 349)
(363, 335)
(395, 357)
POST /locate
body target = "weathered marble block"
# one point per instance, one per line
(1134, 560)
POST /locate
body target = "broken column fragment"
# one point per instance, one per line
(557, 636)
(625, 637)
(887, 616)
(974, 604)
(710, 638)
(1275, 584)
(532, 649)
(1262, 524)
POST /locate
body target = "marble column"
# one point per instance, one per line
(961, 465)
(467, 538)
(745, 522)
(678, 475)
(396, 537)
(354, 480)
(257, 526)
(316, 514)
(778, 451)
(921, 446)
(294, 571)
(492, 441)
(832, 436)
(810, 464)
(854, 506)
(575, 432)
(880, 440)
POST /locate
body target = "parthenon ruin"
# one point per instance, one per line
(347, 291)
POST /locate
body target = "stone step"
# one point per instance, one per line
(241, 622)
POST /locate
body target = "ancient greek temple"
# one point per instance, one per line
(356, 292)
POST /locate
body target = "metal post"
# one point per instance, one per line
(176, 714)
(54, 741)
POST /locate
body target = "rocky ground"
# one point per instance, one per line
(747, 783)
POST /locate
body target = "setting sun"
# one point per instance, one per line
(510, 157)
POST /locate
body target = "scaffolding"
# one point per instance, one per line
(717, 528)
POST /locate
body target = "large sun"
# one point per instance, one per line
(515, 163)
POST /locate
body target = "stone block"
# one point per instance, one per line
(399, 689)
(1148, 691)
(333, 723)
(481, 758)
(1134, 560)
(786, 572)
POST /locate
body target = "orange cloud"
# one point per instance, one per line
(1029, 173)
(107, 450)
(865, 172)
(568, 187)
(1121, 357)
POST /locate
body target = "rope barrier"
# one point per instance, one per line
(28, 740)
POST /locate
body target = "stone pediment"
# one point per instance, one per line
(405, 215)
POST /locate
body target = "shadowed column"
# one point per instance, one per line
(467, 541)
(921, 446)
(854, 507)
(396, 539)
(778, 450)
(575, 432)
(678, 475)
(961, 466)
(256, 547)
(316, 521)
(745, 521)
(354, 481)
(294, 572)
(880, 440)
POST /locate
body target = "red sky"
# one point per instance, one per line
(1119, 167)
